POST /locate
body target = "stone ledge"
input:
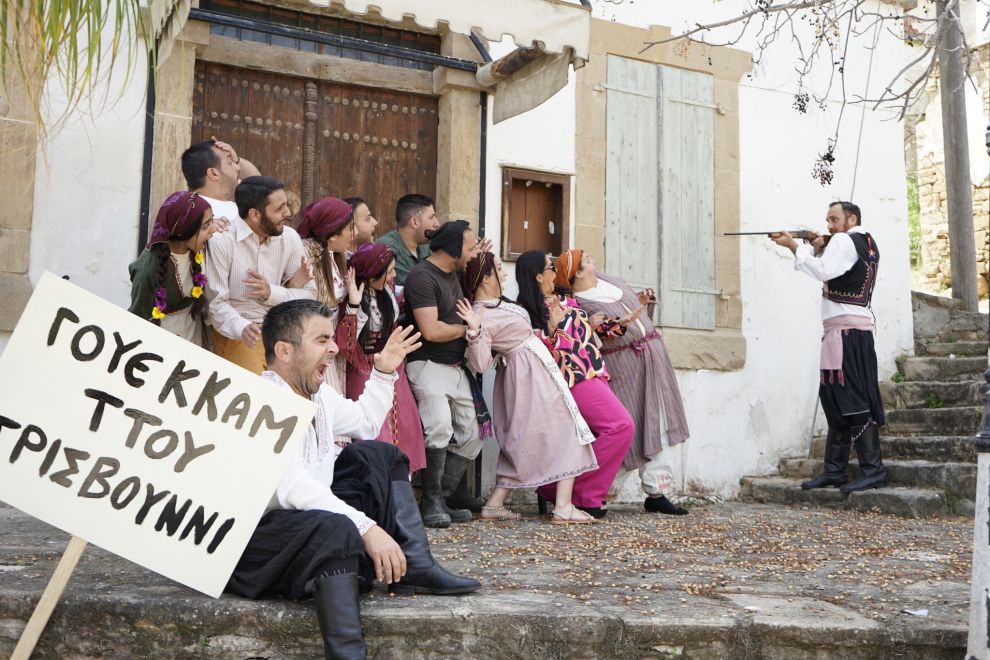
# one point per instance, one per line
(722, 349)
(15, 289)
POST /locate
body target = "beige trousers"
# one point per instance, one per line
(445, 406)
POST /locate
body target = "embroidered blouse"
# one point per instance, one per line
(573, 346)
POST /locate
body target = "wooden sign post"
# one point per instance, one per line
(158, 451)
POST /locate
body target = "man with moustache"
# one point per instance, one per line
(256, 265)
(339, 518)
(846, 262)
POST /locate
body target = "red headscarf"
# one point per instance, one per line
(476, 270)
(370, 260)
(324, 217)
(568, 264)
(177, 215)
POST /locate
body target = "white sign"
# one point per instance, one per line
(122, 433)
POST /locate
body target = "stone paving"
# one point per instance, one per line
(730, 580)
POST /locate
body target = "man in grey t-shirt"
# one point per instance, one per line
(436, 372)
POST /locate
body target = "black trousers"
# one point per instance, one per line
(290, 548)
(854, 391)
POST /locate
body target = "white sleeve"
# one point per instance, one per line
(837, 258)
(298, 489)
(281, 293)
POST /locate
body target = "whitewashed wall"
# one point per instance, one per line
(743, 422)
(87, 189)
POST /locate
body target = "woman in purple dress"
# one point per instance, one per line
(541, 435)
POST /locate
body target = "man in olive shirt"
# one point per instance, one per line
(415, 215)
(436, 370)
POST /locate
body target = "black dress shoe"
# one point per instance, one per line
(663, 505)
(596, 512)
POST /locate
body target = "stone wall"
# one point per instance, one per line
(930, 168)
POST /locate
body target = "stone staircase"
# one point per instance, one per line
(933, 412)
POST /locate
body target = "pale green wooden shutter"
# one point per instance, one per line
(687, 199)
(632, 237)
(660, 188)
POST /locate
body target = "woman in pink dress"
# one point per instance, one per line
(362, 331)
(541, 436)
(572, 340)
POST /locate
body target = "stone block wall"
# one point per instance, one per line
(930, 168)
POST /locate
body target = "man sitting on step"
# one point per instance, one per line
(338, 513)
(846, 262)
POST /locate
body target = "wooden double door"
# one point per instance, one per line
(320, 138)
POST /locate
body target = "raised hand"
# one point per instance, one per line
(401, 343)
(226, 148)
(221, 224)
(354, 292)
(302, 276)
(468, 315)
(646, 296)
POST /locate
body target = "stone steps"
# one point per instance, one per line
(957, 348)
(955, 479)
(938, 448)
(900, 501)
(930, 394)
(943, 369)
(962, 420)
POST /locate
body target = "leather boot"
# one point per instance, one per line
(339, 615)
(431, 502)
(453, 475)
(836, 459)
(872, 473)
(423, 574)
(457, 495)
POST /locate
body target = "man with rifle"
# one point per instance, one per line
(846, 261)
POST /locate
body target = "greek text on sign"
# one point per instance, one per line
(140, 442)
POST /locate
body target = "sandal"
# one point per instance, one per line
(498, 514)
(576, 517)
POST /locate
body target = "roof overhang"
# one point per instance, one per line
(551, 25)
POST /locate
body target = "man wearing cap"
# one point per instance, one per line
(415, 216)
(250, 269)
(443, 388)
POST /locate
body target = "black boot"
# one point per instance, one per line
(662, 505)
(872, 473)
(423, 574)
(338, 612)
(461, 498)
(836, 459)
(453, 476)
(431, 502)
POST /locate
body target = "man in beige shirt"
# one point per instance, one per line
(256, 265)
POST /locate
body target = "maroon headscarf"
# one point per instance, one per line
(370, 260)
(324, 217)
(177, 215)
(476, 270)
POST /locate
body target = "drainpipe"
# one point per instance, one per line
(483, 169)
(978, 647)
(149, 144)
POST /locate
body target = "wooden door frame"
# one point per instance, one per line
(509, 174)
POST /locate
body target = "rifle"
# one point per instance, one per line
(800, 234)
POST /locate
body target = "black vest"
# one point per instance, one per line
(855, 286)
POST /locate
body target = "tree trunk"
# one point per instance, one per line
(958, 188)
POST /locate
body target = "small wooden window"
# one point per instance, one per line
(535, 212)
